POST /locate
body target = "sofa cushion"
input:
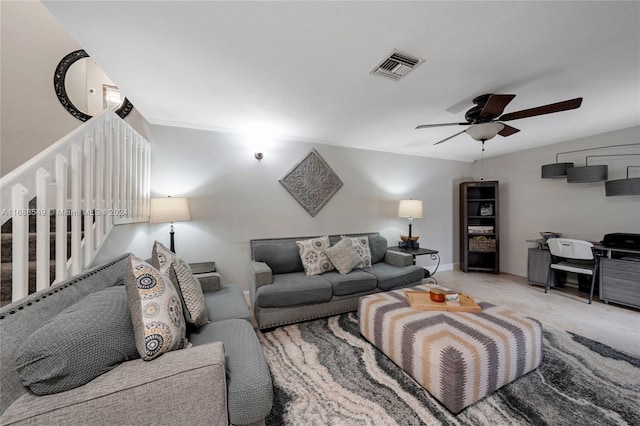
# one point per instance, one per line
(378, 246)
(361, 247)
(187, 285)
(294, 289)
(343, 256)
(282, 258)
(356, 281)
(227, 303)
(79, 344)
(249, 387)
(156, 310)
(391, 276)
(314, 259)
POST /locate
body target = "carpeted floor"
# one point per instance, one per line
(326, 373)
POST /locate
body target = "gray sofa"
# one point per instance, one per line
(222, 379)
(281, 292)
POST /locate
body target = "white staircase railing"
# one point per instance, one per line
(98, 174)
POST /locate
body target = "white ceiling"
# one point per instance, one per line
(300, 70)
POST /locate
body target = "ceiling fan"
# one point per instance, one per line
(485, 119)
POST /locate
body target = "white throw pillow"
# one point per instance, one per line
(343, 256)
(156, 310)
(314, 260)
(188, 285)
(361, 246)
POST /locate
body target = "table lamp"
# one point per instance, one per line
(410, 209)
(169, 209)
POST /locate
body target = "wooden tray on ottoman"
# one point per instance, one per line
(422, 301)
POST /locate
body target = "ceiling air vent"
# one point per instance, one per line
(396, 65)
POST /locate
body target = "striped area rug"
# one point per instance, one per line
(326, 373)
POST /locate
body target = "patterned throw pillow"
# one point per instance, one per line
(314, 260)
(156, 310)
(187, 285)
(343, 256)
(361, 246)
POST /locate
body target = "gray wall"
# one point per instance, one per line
(529, 204)
(235, 198)
(31, 117)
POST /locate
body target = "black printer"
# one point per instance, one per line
(622, 240)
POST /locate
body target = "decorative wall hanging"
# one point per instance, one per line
(312, 182)
(60, 83)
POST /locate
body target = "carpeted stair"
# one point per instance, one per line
(6, 265)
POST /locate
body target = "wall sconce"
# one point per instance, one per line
(628, 186)
(259, 156)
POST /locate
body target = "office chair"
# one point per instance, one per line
(572, 256)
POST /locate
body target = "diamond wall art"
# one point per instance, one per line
(312, 182)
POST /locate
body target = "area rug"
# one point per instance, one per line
(326, 373)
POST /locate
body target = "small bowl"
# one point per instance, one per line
(451, 296)
(405, 238)
(437, 295)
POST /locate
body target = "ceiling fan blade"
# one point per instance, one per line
(450, 137)
(424, 126)
(508, 130)
(494, 106)
(541, 110)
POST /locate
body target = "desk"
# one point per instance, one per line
(619, 275)
(618, 272)
(419, 252)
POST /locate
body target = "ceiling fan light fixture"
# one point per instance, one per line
(484, 131)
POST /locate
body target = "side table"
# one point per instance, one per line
(434, 254)
(206, 273)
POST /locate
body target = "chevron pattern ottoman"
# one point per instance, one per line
(458, 357)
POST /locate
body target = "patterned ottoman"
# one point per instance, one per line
(459, 357)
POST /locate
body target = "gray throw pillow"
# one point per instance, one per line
(282, 258)
(79, 344)
(378, 245)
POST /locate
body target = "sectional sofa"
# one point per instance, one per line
(283, 293)
(221, 378)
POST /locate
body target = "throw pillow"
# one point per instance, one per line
(343, 256)
(187, 285)
(361, 246)
(378, 247)
(314, 260)
(282, 258)
(89, 338)
(156, 310)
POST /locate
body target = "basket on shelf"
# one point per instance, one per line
(482, 244)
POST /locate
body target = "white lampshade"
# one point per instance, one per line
(169, 209)
(410, 208)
